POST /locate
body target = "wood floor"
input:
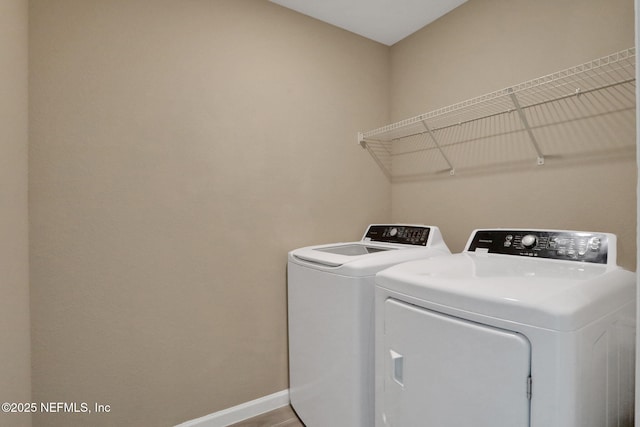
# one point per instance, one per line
(282, 417)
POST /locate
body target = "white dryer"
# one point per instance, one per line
(331, 320)
(525, 328)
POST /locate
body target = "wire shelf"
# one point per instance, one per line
(510, 120)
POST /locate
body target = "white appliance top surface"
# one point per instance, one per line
(368, 263)
(558, 295)
(366, 257)
(354, 249)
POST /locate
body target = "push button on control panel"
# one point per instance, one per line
(508, 241)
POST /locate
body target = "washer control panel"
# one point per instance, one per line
(401, 234)
(565, 245)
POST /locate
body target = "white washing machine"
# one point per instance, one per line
(525, 328)
(331, 320)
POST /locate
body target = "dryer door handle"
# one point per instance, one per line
(397, 367)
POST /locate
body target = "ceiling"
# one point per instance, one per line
(385, 21)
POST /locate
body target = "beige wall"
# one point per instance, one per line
(15, 382)
(486, 45)
(637, 40)
(179, 149)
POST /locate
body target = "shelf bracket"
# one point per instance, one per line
(361, 140)
(525, 122)
(452, 170)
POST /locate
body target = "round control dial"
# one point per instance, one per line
(393, 232)
(529, 241)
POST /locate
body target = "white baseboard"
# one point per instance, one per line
(241, 412)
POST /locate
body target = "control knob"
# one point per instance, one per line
(393, 232)
(529, 241)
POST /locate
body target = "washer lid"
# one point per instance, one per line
(558, 295)
(354, 249)
(359, 259)
(374, 252)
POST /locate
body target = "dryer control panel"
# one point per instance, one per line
(565, 245)
(401, 234)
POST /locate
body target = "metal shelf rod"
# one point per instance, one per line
(435, 141)
(525, 122)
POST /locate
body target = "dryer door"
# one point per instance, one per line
(443, 371)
